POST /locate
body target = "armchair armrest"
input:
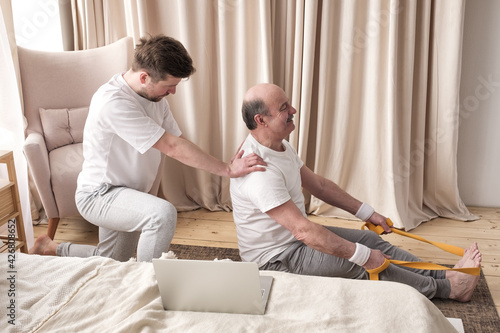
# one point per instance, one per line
(37, 157)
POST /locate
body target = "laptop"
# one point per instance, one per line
(212, 286)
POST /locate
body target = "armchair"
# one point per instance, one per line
(57, 88)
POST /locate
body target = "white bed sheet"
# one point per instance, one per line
(102, 295)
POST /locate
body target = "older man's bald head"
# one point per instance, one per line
(257, 100)
(260, 91)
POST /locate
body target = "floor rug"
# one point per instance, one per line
(478, 315)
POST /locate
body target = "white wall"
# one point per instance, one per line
(37, 25)
(479, 131)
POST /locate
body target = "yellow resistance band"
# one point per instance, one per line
(417, 264)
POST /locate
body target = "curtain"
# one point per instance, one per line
(375, 83)
(11, 116)
(382, 119)
(96, 22)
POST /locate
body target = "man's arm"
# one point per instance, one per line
(326, 190)
(190, 154)
(318, 237)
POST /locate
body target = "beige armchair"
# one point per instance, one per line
(57, 88)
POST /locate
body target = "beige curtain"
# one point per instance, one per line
(375, 82)
(383, 109)
(97, 22)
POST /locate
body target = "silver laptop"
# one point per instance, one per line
(212, 286)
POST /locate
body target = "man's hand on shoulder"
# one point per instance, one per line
(241, 166)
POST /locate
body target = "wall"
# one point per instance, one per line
(479, 134)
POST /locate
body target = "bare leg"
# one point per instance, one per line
(44, 245)
(463, 285)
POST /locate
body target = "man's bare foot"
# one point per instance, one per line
(463, 285)
(473, 251)
(44, 245)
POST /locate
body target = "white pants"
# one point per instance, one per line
(130, 222)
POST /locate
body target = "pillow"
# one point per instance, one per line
(63, 127)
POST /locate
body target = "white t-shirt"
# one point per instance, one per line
(260, 238)
(119, 132)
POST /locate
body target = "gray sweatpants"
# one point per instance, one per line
(130, 222)
(301, 259)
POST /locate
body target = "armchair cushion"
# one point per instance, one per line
(62, 127)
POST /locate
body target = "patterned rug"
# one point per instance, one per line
(478, 315)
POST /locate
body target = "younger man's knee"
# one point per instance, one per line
(166, 213)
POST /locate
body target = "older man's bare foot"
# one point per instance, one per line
(44, 245)
(473, 251)
(463, 285)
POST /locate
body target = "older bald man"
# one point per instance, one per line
(274, 231)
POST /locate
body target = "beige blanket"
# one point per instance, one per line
(101, 295)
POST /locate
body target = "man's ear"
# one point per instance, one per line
(259, 119)
(143, 76)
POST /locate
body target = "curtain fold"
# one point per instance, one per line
(443, 107)
(375, 83)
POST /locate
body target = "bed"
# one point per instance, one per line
(96, 294)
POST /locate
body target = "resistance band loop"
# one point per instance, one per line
(417, 264)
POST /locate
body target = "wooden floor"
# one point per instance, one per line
(206, 228)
